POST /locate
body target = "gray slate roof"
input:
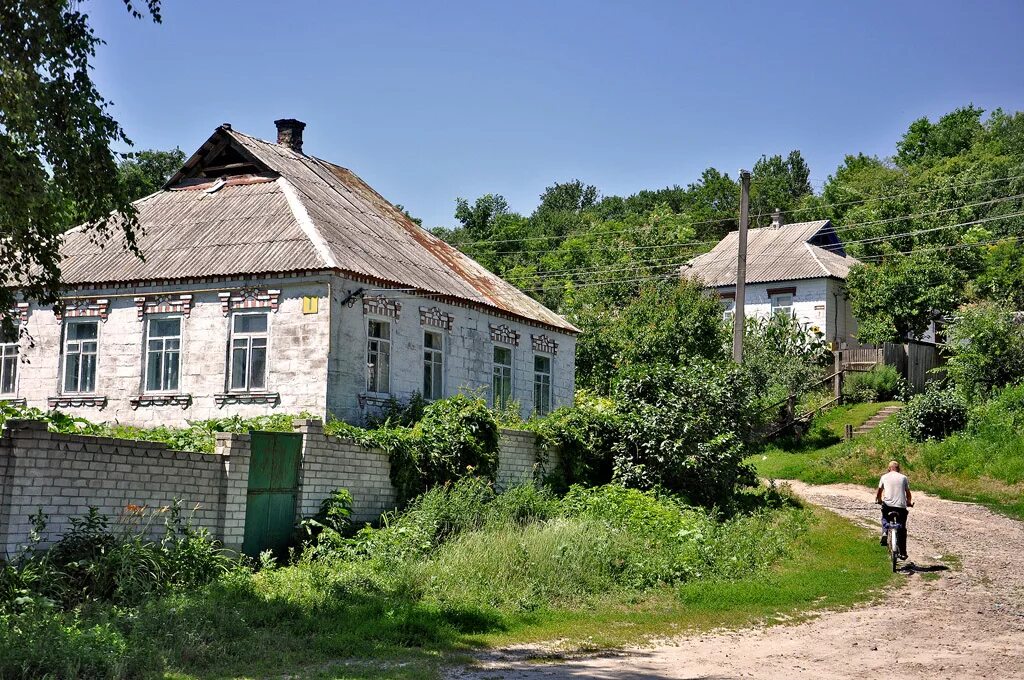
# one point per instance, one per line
(299, 213)
(803, 250)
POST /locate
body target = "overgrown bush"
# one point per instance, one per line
(782, 357)
(881, 383)
(94, 562)
(936, 413)
(456, 436)
(684, 429)
(985, 347)
(581, 437)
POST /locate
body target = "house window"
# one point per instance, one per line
(542, 385)
(433, 366)
(81, 346)
(501, 382)
(782, 304)
(163, 354)
(248, 352)
(728, 310)
(8, 365)
(378, 356)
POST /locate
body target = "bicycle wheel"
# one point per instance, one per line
(893, 552)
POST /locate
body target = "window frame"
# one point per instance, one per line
(248, 389)
(548, 388)
(728, 310)
(435, 362)
(778, 309)
(382, 344)
(146, 351)
(4, 347)
(65, 328)
(511, 376)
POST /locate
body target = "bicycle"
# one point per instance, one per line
(893, 526)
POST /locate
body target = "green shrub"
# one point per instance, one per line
(581, 437)
(456, 436)
(684, 429)
(936, 413)
(94, 563)
(985, 349)
(991, 446)
(881, 383)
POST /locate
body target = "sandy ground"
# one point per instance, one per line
(968, 623)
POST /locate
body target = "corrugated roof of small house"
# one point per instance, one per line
(286, 212)
(803, 250)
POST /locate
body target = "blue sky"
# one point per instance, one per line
(430, 101)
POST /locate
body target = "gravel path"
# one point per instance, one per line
(967, 623)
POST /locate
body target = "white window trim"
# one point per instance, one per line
(61, 377)
(17, 368)
(231, 352)
(728, 310)
(511, 374)
(442, 364)
(181, 353)
(551, 383)
(366, 353)
(776, 309)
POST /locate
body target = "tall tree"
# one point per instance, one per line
(777, 183)
(56, 161)
(144, 172)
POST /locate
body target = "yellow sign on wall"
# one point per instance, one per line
(310, 304)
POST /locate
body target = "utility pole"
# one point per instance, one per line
(739, 317)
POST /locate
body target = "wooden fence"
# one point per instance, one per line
(913, 360)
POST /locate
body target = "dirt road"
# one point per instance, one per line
(967, 623)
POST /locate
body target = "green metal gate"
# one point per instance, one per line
(272, 492)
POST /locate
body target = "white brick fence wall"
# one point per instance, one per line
(63, 475)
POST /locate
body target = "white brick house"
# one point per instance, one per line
(795, 269)
(274, 281)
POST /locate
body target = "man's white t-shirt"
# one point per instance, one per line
(894, 487)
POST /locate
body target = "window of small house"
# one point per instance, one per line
(8, 364)
(501, 381)
(542, 385)
(782, 304)
(728, 310)
(378, 356)
(249, 352)
(81, 349)
(433, 365)
(163, 354)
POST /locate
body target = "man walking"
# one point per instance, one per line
(894, 495)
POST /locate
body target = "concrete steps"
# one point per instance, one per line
(876, 420)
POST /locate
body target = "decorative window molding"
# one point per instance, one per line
(83, 307)
(249, 298)
(14, 401)
(502, 333)
(788, 290)
(382, 306)
(731, 295)
(66, 400)
(160, 304)
(20, 312)
(182, 400)
(372, 400)
(542, 343)
(270, 398)
(436, 318)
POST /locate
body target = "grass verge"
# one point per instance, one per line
(836, 564)
(933, 467)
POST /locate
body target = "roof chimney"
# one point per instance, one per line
(776, 218)
(289, 133)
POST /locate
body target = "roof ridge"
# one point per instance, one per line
(816, 259)
(306, 223)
